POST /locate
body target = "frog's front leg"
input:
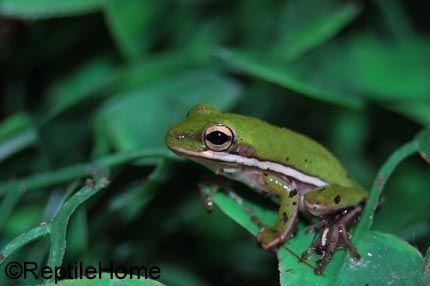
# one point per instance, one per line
(339, 208)
(271, 237)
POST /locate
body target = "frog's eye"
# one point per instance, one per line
(218, 137)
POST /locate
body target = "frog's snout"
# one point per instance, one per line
(170, 138)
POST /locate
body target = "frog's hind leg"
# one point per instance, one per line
(334, 235)
(271, 237)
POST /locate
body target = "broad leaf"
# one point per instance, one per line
(384, 257)
(128, 120)
(296, 78)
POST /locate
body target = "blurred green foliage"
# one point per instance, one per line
(93, 85)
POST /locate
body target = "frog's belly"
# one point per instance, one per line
(254, 178)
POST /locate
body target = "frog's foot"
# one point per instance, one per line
(334, 235)
(269, 238)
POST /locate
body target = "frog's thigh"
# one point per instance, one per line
(333, 198)
(289, 203)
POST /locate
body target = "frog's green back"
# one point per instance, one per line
(290, 148)
(270, 143)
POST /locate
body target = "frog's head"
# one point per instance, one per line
(202, 130)
(208, 135)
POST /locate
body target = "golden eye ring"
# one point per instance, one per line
(218, 137)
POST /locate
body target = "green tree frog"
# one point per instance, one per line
(291, 168)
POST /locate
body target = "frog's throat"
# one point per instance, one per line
(225, 157)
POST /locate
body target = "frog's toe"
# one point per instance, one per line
(332, 237)
(269, 238)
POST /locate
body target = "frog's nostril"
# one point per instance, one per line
(179, 135)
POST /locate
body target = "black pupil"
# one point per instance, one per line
(217, 137)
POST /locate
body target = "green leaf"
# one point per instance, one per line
(290, 76)
(385, 258)
(141, 73)
(129, 119)
(16, 134)
(234, 207)
(39, 9)
(129, 23)
(323, 20)
(201, 43)
(385, 70)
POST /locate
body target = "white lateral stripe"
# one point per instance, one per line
(253, 162)
(265, 165)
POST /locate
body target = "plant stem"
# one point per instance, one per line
(381, 178)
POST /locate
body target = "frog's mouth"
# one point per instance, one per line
(233, 163)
